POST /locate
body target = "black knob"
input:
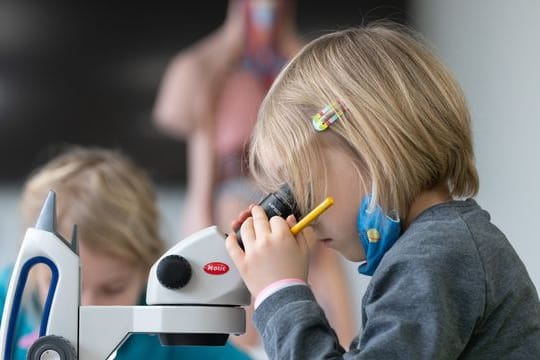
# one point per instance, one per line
(173, 272)
(52, 347)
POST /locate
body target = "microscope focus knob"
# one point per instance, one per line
(174, 272)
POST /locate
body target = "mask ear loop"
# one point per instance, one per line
(394, 215)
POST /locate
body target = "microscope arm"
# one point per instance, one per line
(43, 245)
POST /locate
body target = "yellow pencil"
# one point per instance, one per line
(312, 215)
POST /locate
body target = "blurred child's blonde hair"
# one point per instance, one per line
(406, 123)
(111, 200)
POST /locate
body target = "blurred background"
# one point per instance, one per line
(88, 73)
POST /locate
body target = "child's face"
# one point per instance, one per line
(336, 228)
(105, 280)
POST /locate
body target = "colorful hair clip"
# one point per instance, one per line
(328, 115)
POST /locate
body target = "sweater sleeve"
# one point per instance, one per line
(293, 326)
(421, 306)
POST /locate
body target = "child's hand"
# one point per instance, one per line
(271, 253)
(235, 225)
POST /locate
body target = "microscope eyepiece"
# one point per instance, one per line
(279, 203)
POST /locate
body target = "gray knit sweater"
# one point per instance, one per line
(452, 287)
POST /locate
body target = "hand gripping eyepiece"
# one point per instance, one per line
(280, 203)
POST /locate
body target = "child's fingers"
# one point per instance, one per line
(242, 216)
(291, 220)
(260, 221)
(248, 233)
(308, 239)
(235, 224)
(233, 248)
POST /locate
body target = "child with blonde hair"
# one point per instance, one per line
(113, 203)
(372, 118)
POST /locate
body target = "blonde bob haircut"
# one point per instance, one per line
(110, 199)
(406, 126)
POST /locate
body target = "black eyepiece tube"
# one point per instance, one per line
(280, 203)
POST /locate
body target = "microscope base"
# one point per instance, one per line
(104, 328)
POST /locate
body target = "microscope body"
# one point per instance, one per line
(195, 296)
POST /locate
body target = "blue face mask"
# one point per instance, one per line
(377, 232)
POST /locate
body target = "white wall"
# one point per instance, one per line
(493, 47)
(10, 223)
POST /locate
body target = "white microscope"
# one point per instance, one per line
(195, 296)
